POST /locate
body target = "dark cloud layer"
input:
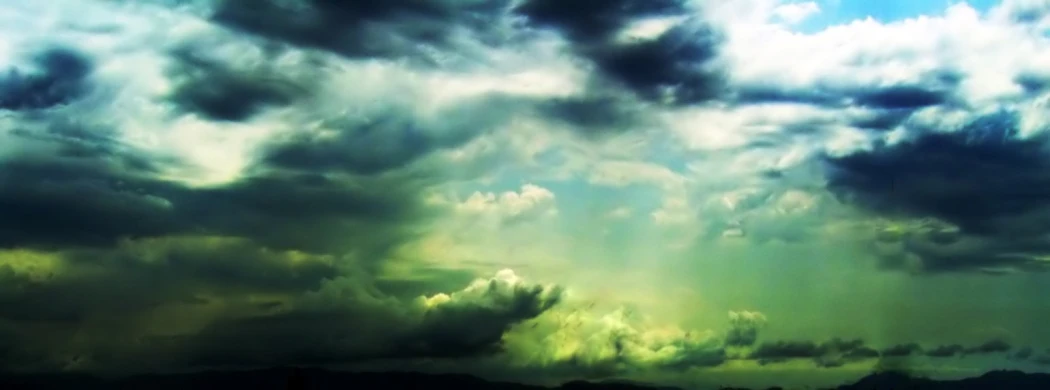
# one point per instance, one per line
(595, 116)
(1023, 353)
(993, 346)
(58, 75)
(902, 350)
(595, 20)
(836, 352)
(901, 97)
(936, 88)
(886, 106)
(943, 351)
(217, 91)
(743, 329)
(347, 321)
(80, 197)
(675, 67)
(390, 139)
(982, 179)
(340, 320)
(96, 239)
(830, 353)
(141, 275)
(986, 348)
(87, 200)
(363, 29)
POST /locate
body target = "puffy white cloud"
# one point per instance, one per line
(675, 210)
(623, 173)
(618, 341)
(530, 202)
(813, 84)
(793, 13)
(502, 291)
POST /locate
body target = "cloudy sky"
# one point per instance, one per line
(687, 192)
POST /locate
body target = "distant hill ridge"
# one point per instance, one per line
(320, 379)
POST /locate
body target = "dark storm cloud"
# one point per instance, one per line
(741, 337)
(590, 21)
(313, 212)
(902, 350)
(882, 119)
(364, 28)
(1023, 353)
(743, 328)
(391, 138)
(892, 99)
(342, 319)
(886, 106)
(249, 256)
(90, 197)
(425, 280)
(778, 351)
(935, 89)
(470, 325)
(98, 199)
(146, 274)
(68, 179)
(945, 351)
(816, 95)
(674, 67)
(218, 91)
(981, 179)
(1033, 83)
(347, 323)
(595, 116)
(861, 353)
(58, 76)
(696, 357)
(831, 353)
(905, 96)
(990, 347)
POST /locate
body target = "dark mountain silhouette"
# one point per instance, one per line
(320, 379)
(1012, 380)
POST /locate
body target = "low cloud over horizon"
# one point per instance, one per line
(689, 192)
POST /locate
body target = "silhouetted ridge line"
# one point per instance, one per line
(994, 380)
(320, 379)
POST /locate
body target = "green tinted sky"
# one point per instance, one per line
(697, 193)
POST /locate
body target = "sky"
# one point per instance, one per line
(684, 192)
(822, 14)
